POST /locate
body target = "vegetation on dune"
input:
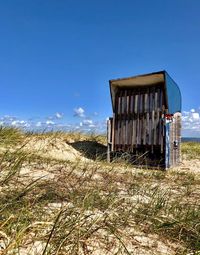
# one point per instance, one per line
(191, 150)
(50, 206)
(10, 136)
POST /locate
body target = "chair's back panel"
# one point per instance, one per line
(137, 120)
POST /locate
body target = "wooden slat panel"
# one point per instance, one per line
(144, 118)
(126, 119)
(153, 118)
(150, 116)
(136, 118)
(138, 132)
(129, 119)
(147, 116)
(120, 121)
(109, 138)
(113, 132)
(134, 122)
(116, 121)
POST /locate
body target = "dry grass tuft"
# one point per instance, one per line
(50, 206)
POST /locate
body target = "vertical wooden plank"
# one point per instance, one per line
(136, 103)
(135, 119)
(131, 118)
(142, 118)
(156, 117)
(116, 120)
(145, 117)
(167, 145)
(126, 120)
(138, 120)
(113, 133)
(175, 139)
(133, 123)
(121, 121)
(150, 116)
(161, 135)
(160, 115)
(171, 156)
(109, 127)
(153, 117)
(179, 136)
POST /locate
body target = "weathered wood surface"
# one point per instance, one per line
(109, 138)
(137, 118)
(175, 140)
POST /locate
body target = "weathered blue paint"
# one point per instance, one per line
(167, 145)
(173, 95)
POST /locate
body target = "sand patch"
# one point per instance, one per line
(54, 148)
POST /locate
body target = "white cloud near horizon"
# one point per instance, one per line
(190, 123)
(79, 112)
(50, 122)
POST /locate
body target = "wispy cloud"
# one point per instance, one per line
(79, 112)
(59, 115)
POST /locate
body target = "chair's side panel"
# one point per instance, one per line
(175, 140)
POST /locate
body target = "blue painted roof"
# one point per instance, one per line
(173, 94)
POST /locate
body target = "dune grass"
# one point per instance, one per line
(191, 150)
(93, 207)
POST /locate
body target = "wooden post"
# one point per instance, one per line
(109, 139)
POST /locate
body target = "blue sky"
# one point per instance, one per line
(56, 57)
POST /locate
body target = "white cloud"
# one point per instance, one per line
(195, 116)
(8, 118)
(38, 124)
(27, 125)
(87, 122)
(191, 123)
(59, 115)
(18, 123)
(79, 112)
(50, 122)
(14, 123)
(91, 126)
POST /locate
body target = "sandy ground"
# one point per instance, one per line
(54, 149)
(60, 150)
